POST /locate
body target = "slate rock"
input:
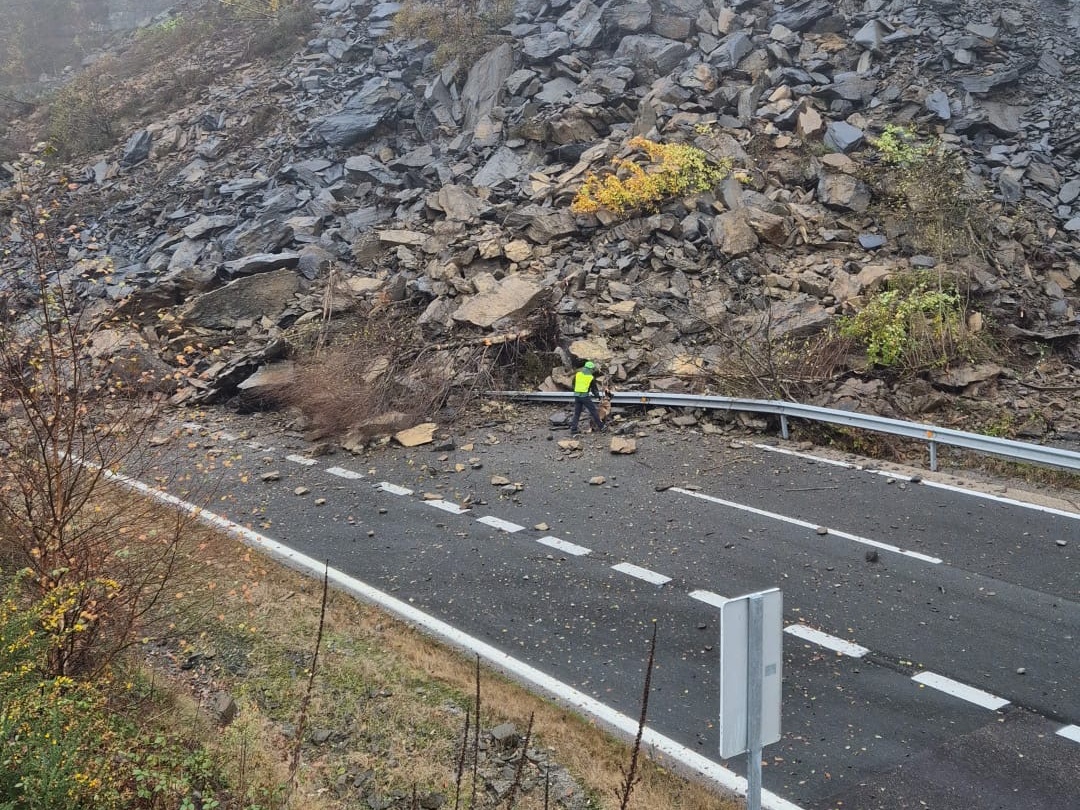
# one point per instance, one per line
(137, 148)
(801, 16)
(260, 263)
(843, 137)
(245, 299)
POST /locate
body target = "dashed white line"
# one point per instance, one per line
(500, 524)
(1070, 733)
(447, 506)
(393, 489)
(709, 598)
(866, 541)
(564, 546)
(641, 573)
(341, 472)
(825, 640)
(960, 690)
(297, 459)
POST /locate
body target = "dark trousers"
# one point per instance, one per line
(587, 403)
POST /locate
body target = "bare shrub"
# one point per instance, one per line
(83, 117)
(97, 561)
(461, 30)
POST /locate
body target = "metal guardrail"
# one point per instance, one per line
(989, 445)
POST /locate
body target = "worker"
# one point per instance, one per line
(585, 387)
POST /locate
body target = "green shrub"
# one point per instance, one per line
(924, 185)
(917, 323)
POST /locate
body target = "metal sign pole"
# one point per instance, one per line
(754, 666)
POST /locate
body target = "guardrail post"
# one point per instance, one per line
(933, 456)
(783, 426)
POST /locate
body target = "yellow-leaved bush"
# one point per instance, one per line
(671, 170)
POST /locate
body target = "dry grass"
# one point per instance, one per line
(394, 699)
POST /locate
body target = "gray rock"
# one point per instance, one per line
(938, 103)
(802, 15)
(982, 85)
(657, 53)
(870, 36)
(733, 235)
(843, 137)
(365, 167)
(504, 165)
(731, 50)
(544, 47)
(515, 295)
(626, 18)
(260, 263)
(204, 225)
(244, 300)
(484, 84)
(1004, 118)
(1070, 191)
(871, 241)
(843, 191)
(137, 148)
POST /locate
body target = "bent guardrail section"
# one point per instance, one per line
(932, 435)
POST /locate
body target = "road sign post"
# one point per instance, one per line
(751, 648)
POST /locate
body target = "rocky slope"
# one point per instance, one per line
(360, 171)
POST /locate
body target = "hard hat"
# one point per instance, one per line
(589, 364)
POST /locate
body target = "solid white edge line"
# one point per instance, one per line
(1002, 499)
(641, 573)
(1070, 733)
(627, 726)
(785, 452)
(709, 598)
(447, 506)
(833, 643)
(307, 462)
(341, 472)
(866, 541)
(564, 546)
(393, 489)
(960, 690)
(499, 523)
(1050, 510)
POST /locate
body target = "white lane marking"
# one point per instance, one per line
(960, 690)
(785, 452)
(341, 472)
(564, 546)
(627, 726)
(1050, 510)
(393, 489)
(709, 598)
(307, 462)
(866, 541)
(447, 506)
(1070, 733)
(500, 524)
(825, 640)
(1002, 499)
(641, 573)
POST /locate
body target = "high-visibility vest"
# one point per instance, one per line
(582, 382)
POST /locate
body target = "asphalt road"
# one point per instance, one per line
(965, 609)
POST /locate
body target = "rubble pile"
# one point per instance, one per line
(381, 174)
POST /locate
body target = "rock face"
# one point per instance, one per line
(451, 191)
